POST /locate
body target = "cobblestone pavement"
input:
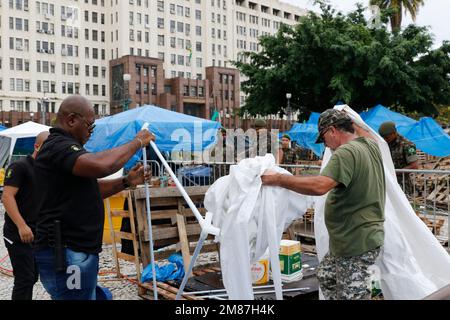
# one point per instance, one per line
(121, 289)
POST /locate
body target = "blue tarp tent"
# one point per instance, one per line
(314, 118)
(173, 131)
(305, 134)
(429, 137)
(379, 114)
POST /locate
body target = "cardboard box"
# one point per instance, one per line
(289, 247)
(290, 257)
(290, 264)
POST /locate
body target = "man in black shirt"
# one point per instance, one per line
(19, 198)
(71, 215)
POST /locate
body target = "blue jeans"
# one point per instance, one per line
(79, 280)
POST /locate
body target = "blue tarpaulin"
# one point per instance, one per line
(173, 131)
(428, 136)
(426, 133)
(305, 134)
(2, 128)
(379, 114)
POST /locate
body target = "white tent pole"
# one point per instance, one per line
(205, 223)
(149, 218)
(205, 226)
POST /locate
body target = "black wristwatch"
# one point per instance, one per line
(125, 183)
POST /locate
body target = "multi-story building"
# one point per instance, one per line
(51, 49)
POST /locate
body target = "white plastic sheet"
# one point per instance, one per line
(251, 218)
(412, 263)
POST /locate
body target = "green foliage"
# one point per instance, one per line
(333, 57)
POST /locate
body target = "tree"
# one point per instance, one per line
(396, 13)
(333, 57)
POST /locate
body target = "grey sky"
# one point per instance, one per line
(435, 14)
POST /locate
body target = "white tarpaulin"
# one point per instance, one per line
(412, 263)
(25, 130)
(251, 219)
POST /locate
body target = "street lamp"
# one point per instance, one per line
(43, 101)
(32, 116)
(125, 97)
(288, 109)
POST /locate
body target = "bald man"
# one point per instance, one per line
(70, 222)
(19, 199)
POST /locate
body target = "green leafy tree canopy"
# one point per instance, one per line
(334, 57)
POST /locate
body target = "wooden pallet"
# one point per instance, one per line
(174, 227)
(168, 291)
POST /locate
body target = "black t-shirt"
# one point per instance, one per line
(20, 174)
(75, 201)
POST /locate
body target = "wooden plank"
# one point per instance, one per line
(123, 235)
(142, 226)
(125, 256)
(182, 235)
(174, 290)
(170, 232)
(139, 193)
(120, 213)
(160, 255)
(161, 292)
(137, 260)
(113, 239)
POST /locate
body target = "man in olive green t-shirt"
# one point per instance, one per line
(354, 208)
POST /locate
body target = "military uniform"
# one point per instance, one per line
(290, 156)
(355, 277)
(403, 153)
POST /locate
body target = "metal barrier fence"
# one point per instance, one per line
(427, 190)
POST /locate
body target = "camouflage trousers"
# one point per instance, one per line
(346, 278)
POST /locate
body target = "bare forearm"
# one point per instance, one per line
(312, 186)
(110, 187)
(105, 163)
(10, 204)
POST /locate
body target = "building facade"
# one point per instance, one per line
(51, 49)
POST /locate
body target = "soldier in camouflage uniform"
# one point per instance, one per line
(354, 208)
(288, 155)
(403, 153)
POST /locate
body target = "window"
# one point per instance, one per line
(180, 26)
(138, 88)
(160, 40)
(198, 15)
(180, 11)
(199, 62)
(161, 23)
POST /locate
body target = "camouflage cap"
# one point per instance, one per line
(387, 128)
(286, 136)
(260, 123)
(329, 118)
